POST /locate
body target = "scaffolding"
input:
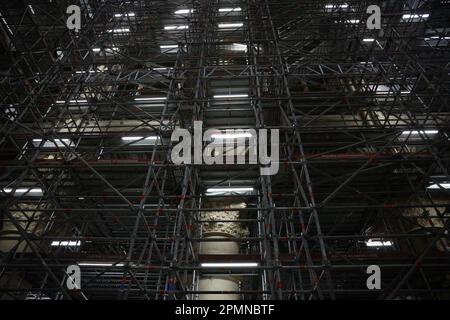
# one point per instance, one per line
(86, 175)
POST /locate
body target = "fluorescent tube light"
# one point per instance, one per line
(378, 243)
(229, 264)
(66, 243)
(31, 9)
(150, 99)
(171, 46)
(231, 135)
(230, 96)
(51, 144)
(184, 11)
(420, 132)
(183, 27)
(335, 6)
(230, 9)
(415, 16)
(239, 47)
(439, 186)
(368, 40)
(230, 25)
(138, 138)
(120, 30)
(119, 15)
(21, 191)
(230, 189)
(71, 101)
(100, 264)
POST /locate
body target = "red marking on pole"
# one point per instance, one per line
(311, 195)
(279, 285)
(67, 210)
(388, 206)
(141, 197)
(269, 195)
(189, 226)
(160, 210)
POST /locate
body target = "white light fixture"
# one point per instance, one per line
(150, 99)
(335, 6)
(37, 192)
(415, 133)
(6, 24)
(100, 264)
(230, 96)
(229, 264)
(237, 9)
(439, 186)
(229, 136)
(50, 144)
(415, 16)
(239, 47)
(230, 189)
(119, 30)
(378, 243)
(119, 15)
(368, 40)
(171, 48)
(66, 243)
(184, 11)
(31, 9)
(72, 101)
(83, 72)
(96, 49)
(230, 25)
(182, 27)
(138, 138)
(354, 21)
